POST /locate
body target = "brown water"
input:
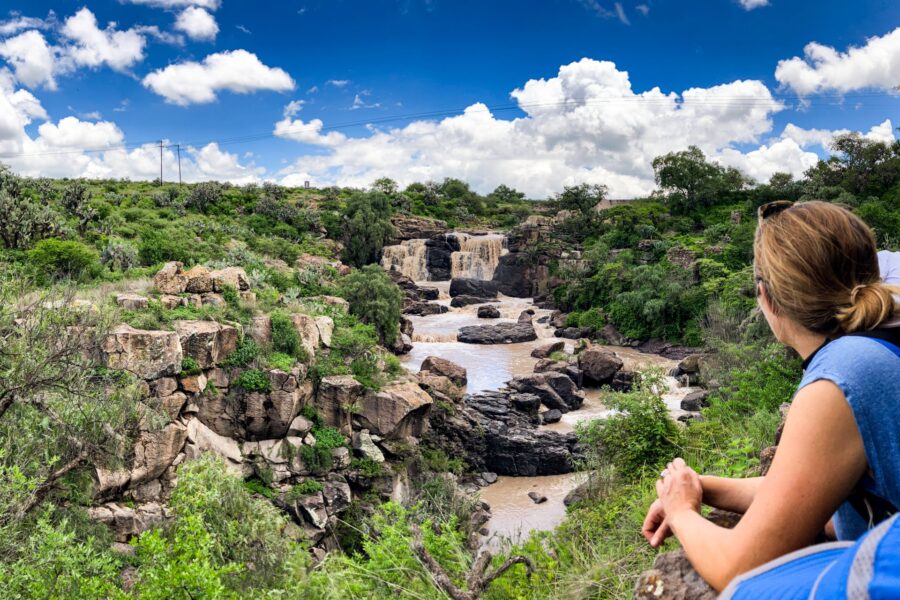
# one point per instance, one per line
(489, 367)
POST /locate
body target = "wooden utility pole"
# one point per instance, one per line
(178, 148)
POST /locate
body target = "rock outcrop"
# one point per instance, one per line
(337, 395)
(556, 390)
(397, 410)
(599, 365)
(473, 287)
(500, 333)
(436, 365)
(207, 342)
(488, 312)
(410, 227)
(461, 301)
(146, 354)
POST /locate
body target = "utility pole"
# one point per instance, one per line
(178, 148)
(160, 162)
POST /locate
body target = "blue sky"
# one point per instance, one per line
(377, 62)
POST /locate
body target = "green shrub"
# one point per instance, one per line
(231, 296)
(316, 459)
(257, 486)
(161, 245)
(279, 360)
(246, 352)
(592, 318)
(328, 438)
(285, 337)
(304, 488)
(253, 381)
(368, 467)
(53, 259)
(639, 435)
(190, 366)
(375, 300)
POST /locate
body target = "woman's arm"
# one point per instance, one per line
(725, 493)
(819, 460)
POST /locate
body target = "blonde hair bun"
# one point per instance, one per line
(869, 306)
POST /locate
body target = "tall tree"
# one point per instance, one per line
(366, 227)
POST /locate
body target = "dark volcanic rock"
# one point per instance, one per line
(665, 349)
(526, 316)
(423, 309)
(501, 333)
(551, 416)
(473, 287)
(410, 228)
(513, 276)
(537, 498)
(554, 389)
(460, 301)
(498, 431)
(488, 312)
(546, 350)
(438, 252)
(622, 381)
(694, 401)
(574, 333)
(599, 365)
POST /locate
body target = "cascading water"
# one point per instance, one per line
(407, 258)
(478, 256)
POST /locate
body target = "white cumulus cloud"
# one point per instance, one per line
(197, 23)
(94, 47)
(32, 59)
(751, 4)
(238, 71)
(586, 124)
(207, 4)
(823, 68)
(72, 132)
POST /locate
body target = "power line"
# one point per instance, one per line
(680, 102)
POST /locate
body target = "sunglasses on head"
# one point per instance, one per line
(771, 209)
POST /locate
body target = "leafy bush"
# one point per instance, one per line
(328, 438)
(53, 259)
(190, 366)
(368, 467)
(304, 488)
(316, 459)
(257, 486)
(366, 228)
(279, 360)
(246, 352)
(253, 381)
(639, 435)
(161, 245)
(204, 195)
(375, 299)
(25, 220)
(285, 337)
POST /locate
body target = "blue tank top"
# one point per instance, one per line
(867, 371)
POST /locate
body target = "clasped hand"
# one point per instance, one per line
(678, 489)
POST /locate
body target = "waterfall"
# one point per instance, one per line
(408, 258)
(478, 256)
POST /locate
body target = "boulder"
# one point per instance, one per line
(695, 401)
(207, 342)
(235, 277)
(473, 287)
(599, 365)
(325, 325)
(201, 438)
(672, 578)
(312, 507)
(211, 299)
(164, 386)
(364, 446)
(309, 332)
(170, 279)
(526, 316)
(449, 369)
(199, 280)
(155, 451)
(169, 301)
(132, 301)
(573, 333)
(547, 349)
(555, 390)
(558, 319)
(501, 333)
(193, 384)
(537, 497)
(439, 384)
(461, 301)
(438, 256)
(397, 410)
(424, 309)
(514, 276)
(551, 416)
(336, 396)
(402, 344)
(340, 457)
(146, 354)
(299, 427)
(488, 312)
(611, 335)
(260, 330)
(691, 364)
(337, 495)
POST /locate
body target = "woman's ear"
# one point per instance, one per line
(763, 294)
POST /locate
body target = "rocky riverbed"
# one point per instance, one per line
(502, 365)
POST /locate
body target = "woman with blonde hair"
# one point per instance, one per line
(838, 462)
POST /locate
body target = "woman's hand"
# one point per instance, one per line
(655, 528)
(679, 489)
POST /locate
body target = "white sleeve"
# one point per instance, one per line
(889, 265)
